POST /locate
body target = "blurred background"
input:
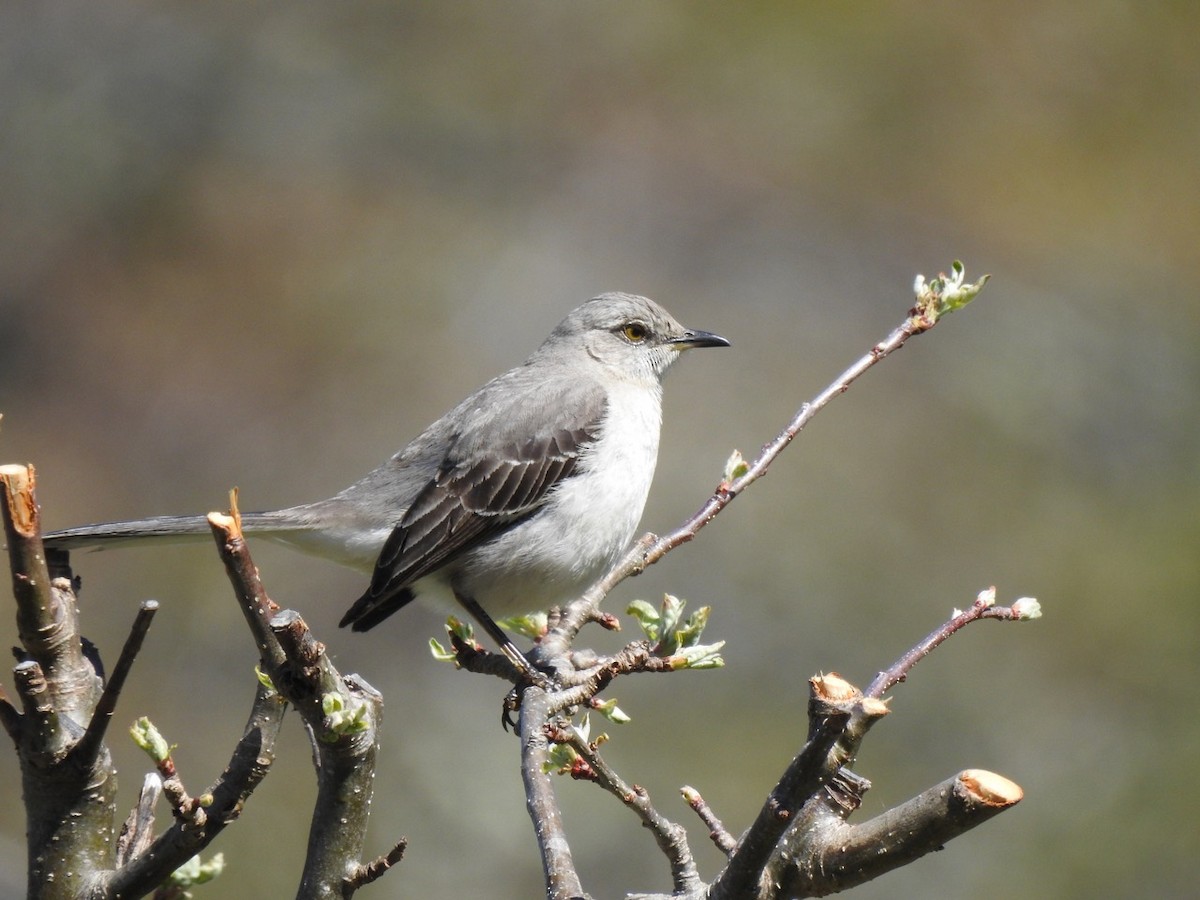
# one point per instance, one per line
(265, 246)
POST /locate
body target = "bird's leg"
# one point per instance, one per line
(507, 647)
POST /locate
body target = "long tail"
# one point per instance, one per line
(158, 528)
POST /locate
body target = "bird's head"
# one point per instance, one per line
(632, 336)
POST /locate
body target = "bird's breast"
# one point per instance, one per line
(586, 522)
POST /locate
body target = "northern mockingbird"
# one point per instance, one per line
(515, 500)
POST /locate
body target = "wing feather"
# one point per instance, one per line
(468, 502)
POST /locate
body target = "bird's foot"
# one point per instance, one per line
(530, 677)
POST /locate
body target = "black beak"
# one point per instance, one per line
(699, 339)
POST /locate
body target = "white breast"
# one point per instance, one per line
(586, 524)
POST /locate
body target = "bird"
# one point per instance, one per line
(514, 501)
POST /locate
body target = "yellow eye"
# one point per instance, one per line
(635, 332)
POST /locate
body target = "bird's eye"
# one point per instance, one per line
(634, 332)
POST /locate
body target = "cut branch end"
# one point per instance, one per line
(989, 788)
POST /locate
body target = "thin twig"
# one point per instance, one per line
(720, 835)
(670, 836)
(364, 875)
(982, 608)
(107, 704)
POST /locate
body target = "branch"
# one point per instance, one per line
(252, 597)
(983, 608)
(835, 855)
(562, 879)
(720, 835)
(107, 704)
(670, 837)
(47, 615)
(221, 804)
(834, 706)
(343, 713)
(66, 765)
(377, 868)
(69, 787)
(819, 852)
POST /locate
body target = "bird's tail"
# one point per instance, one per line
(163, 529)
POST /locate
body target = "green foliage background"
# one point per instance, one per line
(265, 244)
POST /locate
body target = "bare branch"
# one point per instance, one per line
(69, 827)
(378, 867)
(819, 852)
(102, 714)
(469, 654)
(342, 713)
(223, 802)
(47, 616)
(670, 837)
(256, 606)
(720, 835)
(983, 608)
(835, 855)
(836, 708)
(562, 879)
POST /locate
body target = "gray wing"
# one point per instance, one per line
(473, 498)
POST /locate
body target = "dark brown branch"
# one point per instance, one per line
(186, 808)
(43, 635)
(378, 867)
(472, 656)
(47, 616)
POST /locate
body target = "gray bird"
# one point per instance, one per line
(515, 500)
